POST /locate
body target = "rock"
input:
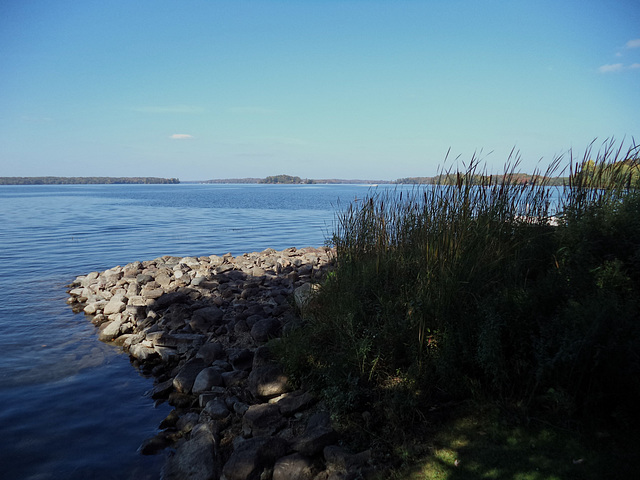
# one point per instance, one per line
(205, 318)
(265, 329)
(167, 354)
(183, 381)
(290, 403)
(210, 352)
(302, 295)
(167, 299)
(293, 467)
(187, 422)
(252, 456)
(207, 378)
(338, 459)
(234, 378)
(141, 352)
(155, 444)
(262, 419)
(217, 409)
(267, 382)
(110, 331)
(114, 306)
(316, 436)
(241, 359)
(162, 390)
(194, 459)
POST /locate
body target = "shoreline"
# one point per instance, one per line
(200, 327)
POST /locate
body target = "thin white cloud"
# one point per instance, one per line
(610, 68)
(635, 43)
(181, 136)
(169, 109)
(634, 65)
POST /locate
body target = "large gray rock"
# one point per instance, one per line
(210, 352)
(265, 329)
(268, 381)
(114, 305)
(253, 456)
(293, 402)
(194, 459)
(111, 330)
(293, 467)
(262, 419)
(316, 436)
(183, 381)
(206, 318)
(207, 378)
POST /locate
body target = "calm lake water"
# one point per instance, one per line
(72, 407)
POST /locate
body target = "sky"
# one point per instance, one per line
(348, 89)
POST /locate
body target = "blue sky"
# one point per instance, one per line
(319, 89)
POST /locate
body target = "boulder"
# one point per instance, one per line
(110, 331)
(251, 457)
(316, 436)
(210, 352)
(195, 458)
(114, 305)
(183, 381)
(207, 378)
(262, 419)
(267, 382)
(293, 467)
(265, 329)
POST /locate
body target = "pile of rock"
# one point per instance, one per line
(199, 326)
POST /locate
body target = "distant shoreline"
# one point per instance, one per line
(85, 180)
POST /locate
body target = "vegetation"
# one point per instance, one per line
(283, 179)
(83, 180)
(477, 291)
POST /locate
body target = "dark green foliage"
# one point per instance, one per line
(474, 290)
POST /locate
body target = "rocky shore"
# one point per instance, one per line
(201, 327)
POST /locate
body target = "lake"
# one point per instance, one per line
(71, 406)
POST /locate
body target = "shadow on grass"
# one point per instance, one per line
(472, 446)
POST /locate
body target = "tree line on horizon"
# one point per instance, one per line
(85, 180)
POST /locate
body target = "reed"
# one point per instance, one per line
(482, 288)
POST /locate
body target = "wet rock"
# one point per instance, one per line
(110, 331)
(162, 390)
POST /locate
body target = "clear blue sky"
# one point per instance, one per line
(319, 89)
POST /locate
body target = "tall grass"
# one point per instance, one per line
(483, 288)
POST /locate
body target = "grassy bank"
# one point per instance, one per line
(473, 292)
